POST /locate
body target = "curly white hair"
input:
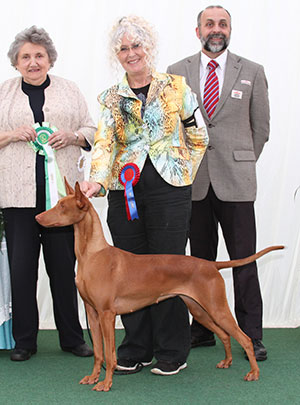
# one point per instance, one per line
(139, 31)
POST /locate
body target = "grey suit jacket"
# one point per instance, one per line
(237, 130)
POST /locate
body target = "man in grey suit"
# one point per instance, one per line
(233, 98)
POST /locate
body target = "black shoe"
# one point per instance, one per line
(81, 350)
(131, 366)
(22, 354)
(166, 368)
(260, 351)
(207, 339)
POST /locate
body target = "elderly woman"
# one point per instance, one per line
(141, 124)
(26, 178)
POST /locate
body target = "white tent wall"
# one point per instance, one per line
(264, 31)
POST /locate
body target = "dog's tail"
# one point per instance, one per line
(246, 260)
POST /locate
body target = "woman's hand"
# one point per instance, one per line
(60, 139)
(90, 188)
(25, 133)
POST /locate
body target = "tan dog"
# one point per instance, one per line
(112, 281)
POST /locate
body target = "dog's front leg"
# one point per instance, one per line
(97, 343)
(107, 320)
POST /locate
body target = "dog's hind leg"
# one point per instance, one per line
(203, 317)
(224, 319)
(97, 343)
(247, 345)
(107, 320)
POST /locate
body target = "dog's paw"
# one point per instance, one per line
(103, 386)
(226, 363)
(253, 375)
(89, 379)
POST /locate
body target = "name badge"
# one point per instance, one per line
(237, 94)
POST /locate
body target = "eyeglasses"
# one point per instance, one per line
(126, 49)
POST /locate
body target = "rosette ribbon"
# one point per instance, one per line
(55, 188)
(129, 176)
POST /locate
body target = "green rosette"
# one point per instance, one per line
(55, 188)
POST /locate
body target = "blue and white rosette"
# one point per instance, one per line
(55, 188)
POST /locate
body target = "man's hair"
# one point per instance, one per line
(200, 14)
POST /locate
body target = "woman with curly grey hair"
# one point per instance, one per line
(44, 125)
(140, 134)
(138, 29)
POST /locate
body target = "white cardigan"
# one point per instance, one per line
(64, 108)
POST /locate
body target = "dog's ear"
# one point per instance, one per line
(81, 200)
(69, 189)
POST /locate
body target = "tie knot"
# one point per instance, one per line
(213, 65)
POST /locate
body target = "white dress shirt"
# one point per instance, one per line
(220, 71)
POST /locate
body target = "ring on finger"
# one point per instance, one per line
(60, 142)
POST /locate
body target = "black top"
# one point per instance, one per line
(36, 95)
(141, 94)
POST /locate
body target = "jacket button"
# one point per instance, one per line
(210, 147)
(210, 125)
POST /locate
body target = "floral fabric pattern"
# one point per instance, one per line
(123, 136)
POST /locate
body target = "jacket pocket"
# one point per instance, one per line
(244, 155)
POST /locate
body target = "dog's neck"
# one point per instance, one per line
(89, 236)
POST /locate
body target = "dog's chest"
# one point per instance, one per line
(80, 284)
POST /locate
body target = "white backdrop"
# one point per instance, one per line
(264, 31)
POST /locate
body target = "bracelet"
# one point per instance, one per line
(77, 137)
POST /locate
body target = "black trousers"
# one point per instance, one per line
(24, 239)
(237, 221)
(161, 330)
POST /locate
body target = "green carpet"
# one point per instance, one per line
(51, 377)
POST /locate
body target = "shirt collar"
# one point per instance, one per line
(159, 81)
(221, 59)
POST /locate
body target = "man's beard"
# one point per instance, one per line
(209, 46)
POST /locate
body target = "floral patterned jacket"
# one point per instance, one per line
(123, 136)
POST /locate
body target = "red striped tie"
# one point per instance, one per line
(211, 89)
